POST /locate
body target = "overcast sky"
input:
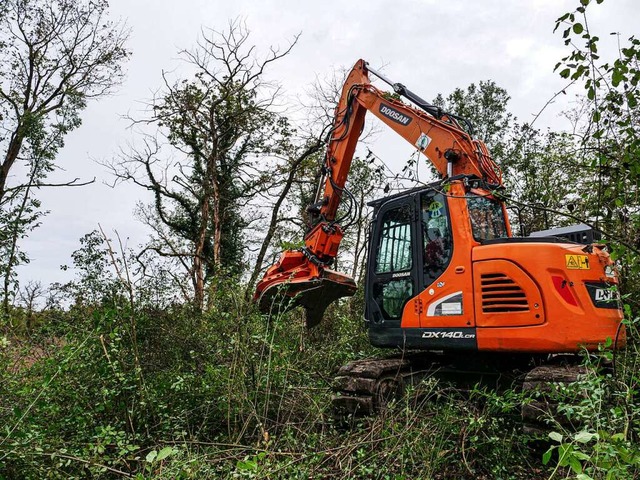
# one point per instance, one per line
(432, 46)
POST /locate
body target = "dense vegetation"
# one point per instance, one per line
(155, 363)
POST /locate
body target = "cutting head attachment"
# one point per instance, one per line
(313, 293)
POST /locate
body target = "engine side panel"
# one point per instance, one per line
(566, 275)
(505, 296)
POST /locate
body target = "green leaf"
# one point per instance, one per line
(584, 437)
(556, 437)
(575, 465)
(581, 456)
(616, 77)
(584, 2)
(578, 28)
(596, 116)
(164, 453)
(247, 465)
(565, 73)
(564, 454)
(628, 52)
(151, 456)
(547, 456)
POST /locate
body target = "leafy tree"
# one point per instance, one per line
(485, 106)
(365, 184)
(542, 177)
(609, 133)
(540, 169)
(95, 282)
(54, 57)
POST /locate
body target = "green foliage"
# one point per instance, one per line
(170, 393)
(95, 283)
(604, 424)
(610, 143)
(132, 380)
(543, 177)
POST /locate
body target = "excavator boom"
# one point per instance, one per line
(302, 277)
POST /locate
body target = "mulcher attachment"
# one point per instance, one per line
(296, 282)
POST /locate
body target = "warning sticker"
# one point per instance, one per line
(577, 262)
(423, 141)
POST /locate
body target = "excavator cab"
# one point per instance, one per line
(414, 238)
(445, 273)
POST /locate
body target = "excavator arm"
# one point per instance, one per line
(302, 277)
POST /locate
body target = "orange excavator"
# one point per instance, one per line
(444, 272)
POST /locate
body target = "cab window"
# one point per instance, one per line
(487, 218)
(394, 249)
(436, 234)
(394, 260)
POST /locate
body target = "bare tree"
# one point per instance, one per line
(301, 173)
(29, 296)
(291, 172)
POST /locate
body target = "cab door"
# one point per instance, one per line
(392, 270)
(446, 297)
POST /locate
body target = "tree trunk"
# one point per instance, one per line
(15, 234)
(12, 154)
(198, 254)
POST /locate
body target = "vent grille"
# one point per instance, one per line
(501, 294)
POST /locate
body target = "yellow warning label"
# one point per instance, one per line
(577, 262)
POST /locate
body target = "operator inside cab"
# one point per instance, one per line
(487, 217)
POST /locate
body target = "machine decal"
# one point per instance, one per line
(610, 272)
(448, 305)
(395, 115)
(456, 338)
(603, 295)
(400, 274)
(423, 141)
(435, 209)
(577, 262)
(448, 334)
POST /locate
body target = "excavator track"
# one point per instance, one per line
(365, 387)
(545, 385)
